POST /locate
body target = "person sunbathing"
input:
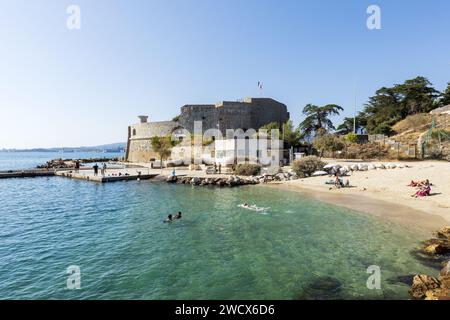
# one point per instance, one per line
(422, 183)
(422, 192)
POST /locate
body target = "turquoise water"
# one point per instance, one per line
(29, 160)
(297, 249)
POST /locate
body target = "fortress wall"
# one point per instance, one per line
(249, 113)
(140, 150)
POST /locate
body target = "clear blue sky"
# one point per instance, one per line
(61, 87)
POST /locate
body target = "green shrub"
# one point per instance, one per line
(247, 169)
(307, 166)
(351, 137)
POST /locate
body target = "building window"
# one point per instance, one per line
(134, 132)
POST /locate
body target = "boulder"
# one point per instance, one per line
(444, 233)
(380, 166)
(438, 294)
(421, 284)
(391, 166)
(195, 181)
(279, 176)
(371, 167)
(172, 179)
(363, 167)
(437, 246)
(444, 276)
(354, 167)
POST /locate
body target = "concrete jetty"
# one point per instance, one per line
(26, 173)
(111, 175)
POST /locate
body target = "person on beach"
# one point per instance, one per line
(422, 183)
(104, 168)
(220, 168)
(95, 167)
(77, 166)
(338, 183)
(215, 167)
(422, 192)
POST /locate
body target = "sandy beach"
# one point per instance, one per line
(385, 193)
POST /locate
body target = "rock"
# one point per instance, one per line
(444, 233)
(437, 246)
(371, 167)
(380, 166)
(444, 276)
(195, 181)
(363, 167)
(421, 284)
(354, 167)
(438, 294)
(172, 179)
(279, 176)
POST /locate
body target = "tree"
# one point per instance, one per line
(347, 124)
(271, 126)
(291, 136)
(318, 118)
(446, 96)
(163, 147)
(328, 142)
(417, 96)
(392, 104)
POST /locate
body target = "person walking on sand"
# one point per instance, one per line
(220, 168)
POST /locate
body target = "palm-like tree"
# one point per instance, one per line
(318, 118)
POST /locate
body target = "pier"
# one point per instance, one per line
(111, 175)
(26, 173)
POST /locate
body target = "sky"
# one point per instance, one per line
(77, 87)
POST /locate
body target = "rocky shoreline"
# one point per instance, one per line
(231, 181)
(425, 287)
(70, 163)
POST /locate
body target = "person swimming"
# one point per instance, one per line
(169, 218)
(178, 215)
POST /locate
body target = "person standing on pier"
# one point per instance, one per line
(104, 168)
(95, 169)
(77, 166)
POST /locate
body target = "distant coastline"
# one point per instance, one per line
(107, 148)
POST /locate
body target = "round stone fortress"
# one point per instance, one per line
(249, 113)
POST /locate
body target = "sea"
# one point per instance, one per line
(73, 239)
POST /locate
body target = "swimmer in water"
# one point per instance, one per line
(178, 216)
(169, 218)
(245, 205)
